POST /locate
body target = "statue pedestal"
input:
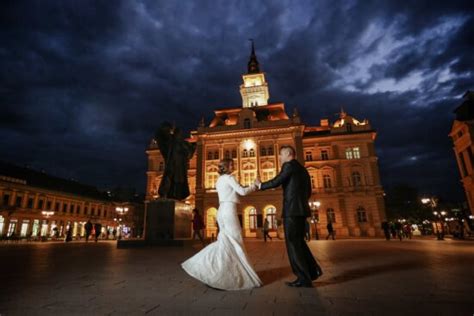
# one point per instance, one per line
(167, 223)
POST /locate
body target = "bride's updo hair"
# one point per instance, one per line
(224, 166)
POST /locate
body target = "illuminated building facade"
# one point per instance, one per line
(339, 156)
(462, 134)
(37, 206)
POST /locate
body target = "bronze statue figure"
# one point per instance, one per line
(176, 152)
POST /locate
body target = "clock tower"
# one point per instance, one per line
(254, 90)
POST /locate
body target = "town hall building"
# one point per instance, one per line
(339, 156)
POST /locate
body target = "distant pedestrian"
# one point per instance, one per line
(398, 230)
(88, 228)
(330, 231)
(307, 231)
(114, 233)
(386, 229)
(68, 237)
(97, 228)
(393, 231)
(198, 226)
(266, 229)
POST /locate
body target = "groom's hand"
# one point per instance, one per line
(258, 182)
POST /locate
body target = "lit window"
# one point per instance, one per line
(327, 181)
(271, 217)
(361, 215)
(253, 219)
(349, 153)
(331, 216)
(245, 153)
(252, 152)
(356, 152)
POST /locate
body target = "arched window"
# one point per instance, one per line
(270, 215)
(270, 150)
(245, 153)
(247, 123)
(327, 181)
(349, 127)
(331, 216)
(361, 215)
(252, 219)
(356, 179)
(252, 152)
(263, 151)
(216, 154)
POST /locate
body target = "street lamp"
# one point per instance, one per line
(314, 206)
(47, 213)
(121, 211)
(432, 202)
(439, 215)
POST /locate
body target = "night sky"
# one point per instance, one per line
(84, 84)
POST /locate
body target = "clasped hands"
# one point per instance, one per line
(257, 182)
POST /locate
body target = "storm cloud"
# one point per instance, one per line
(84, 84)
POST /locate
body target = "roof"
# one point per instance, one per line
(230, 116)
(42, 180)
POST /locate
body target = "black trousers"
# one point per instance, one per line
(302, 262)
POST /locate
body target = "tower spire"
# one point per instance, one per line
(252, 66)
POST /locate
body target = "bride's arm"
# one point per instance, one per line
(239, 189)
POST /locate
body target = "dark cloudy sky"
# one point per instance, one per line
(84, 84)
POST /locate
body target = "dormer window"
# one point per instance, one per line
(247, 123)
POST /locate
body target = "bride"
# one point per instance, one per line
(223, 264)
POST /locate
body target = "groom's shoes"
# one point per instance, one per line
(300, 284)
(319, 273)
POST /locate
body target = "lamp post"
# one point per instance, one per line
(432, 202)
(314, 206)
(121, 211)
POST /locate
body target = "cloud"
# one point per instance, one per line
(90, 81)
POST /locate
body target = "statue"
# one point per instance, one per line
(176, 152)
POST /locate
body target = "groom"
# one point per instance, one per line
(296, 192)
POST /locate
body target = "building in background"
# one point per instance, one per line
(37, 206)
(340, 157)
(462, 134)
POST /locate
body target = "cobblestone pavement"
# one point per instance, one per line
(361, 277)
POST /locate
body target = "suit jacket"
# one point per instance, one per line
(296, 183)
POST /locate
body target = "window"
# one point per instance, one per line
(331, 216)
(252, 152)
(49, 205)
(72, 208)
(327, 181)
(40, 204)
(245, 153)
(263, 151)
(227, 154)
(271, 217)
(309, 156)
(18, 201)
(6, 199)
(247, 123)
(78, 209)
(161, 166)
(361, 215)
(268, 174)
(356, 180)
(249, 177)
(234, 153)
(349, 153)
(86, 210)
(324, 155)
(30, 203)
(211, 179)
(356, 152)
(64, 208)
(93, 210)
(216, 154)
(270, 151)
(209, 155)
(105, 213)
(353, 153)
(58, 205)
(313, 182)
(253, 219)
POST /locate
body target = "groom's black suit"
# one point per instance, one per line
(296, 183)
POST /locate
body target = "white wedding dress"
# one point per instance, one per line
(223, 264)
